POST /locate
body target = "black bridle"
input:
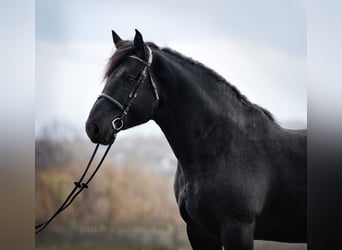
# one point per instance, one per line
(117, 124)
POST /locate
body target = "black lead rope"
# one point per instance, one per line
(79, 187)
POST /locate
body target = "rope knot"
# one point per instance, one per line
(77, 184)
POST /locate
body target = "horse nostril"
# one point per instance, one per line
(93, 130)
(96, 129)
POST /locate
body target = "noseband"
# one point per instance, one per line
(118, 122)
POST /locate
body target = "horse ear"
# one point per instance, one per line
(116, 38)
(139, 44)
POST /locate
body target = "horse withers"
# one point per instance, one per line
(240, 176)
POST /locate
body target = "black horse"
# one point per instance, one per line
(240, 176)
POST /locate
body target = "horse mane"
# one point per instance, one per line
(126, 48)
(218, 78)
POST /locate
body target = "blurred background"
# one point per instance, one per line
(258, 46)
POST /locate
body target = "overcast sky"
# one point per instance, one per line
(257, 45)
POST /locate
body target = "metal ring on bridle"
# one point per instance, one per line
(117, 124)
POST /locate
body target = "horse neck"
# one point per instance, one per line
(193, 114)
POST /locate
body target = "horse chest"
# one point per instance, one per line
(197, 203)
(212, 198)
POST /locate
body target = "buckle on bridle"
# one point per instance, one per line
(117, 124)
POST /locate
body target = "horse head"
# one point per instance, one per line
(127, 98)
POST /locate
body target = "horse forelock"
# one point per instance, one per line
(124, 49)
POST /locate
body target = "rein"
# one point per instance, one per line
(79, 187)
(117, 124)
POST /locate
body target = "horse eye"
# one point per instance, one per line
(130, 78)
